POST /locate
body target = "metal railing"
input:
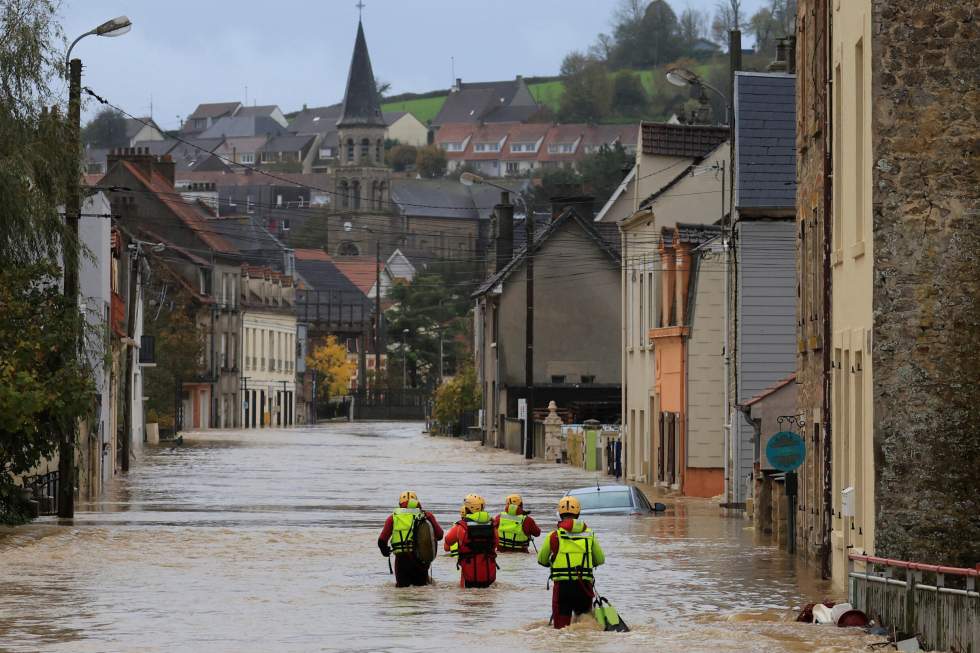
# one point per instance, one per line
(44, 490)
(895, 593)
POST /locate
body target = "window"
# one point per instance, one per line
(326, 153)
(378, 149)
(279, 200)
(453, 147)
(247, 158)
(557, 378)
(356, 194)
(513, 167)
(480, 147)
(268, 157)
(344, 191)
(204, 279)
(524, 147)
(588, 378)
(365, 148)
(858, 158)
(224, 351)
(350, 149)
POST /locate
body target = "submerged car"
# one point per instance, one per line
(614, 500)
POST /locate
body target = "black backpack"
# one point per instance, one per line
(480, 537)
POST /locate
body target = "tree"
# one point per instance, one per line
(171, 320)
(603, 171)
(402, 156)
(430, 161)
(588, 91)
(43, 391)
(660, 41)
(728, 16)
(691, 28)
(554, 182)
(629, 98)
(35, 170)
(455, 396)
(107, 129)
(330, 360)
(771, 23)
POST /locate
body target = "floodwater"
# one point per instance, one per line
(266, 541)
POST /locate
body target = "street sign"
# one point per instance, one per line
(786, 451)
(522, 409)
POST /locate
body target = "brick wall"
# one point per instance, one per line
(926, 360)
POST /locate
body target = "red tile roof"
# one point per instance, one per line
(311, 255)
(360, 270)
(681, 140)
(187, 213)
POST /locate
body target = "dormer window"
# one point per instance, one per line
(523, 147)
(561, 148)
(453, 147)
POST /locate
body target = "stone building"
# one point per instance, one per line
(813, 364)
(897, 117)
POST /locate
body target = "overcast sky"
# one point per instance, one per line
(291, 52)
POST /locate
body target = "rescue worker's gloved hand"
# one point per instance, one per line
(385, 549)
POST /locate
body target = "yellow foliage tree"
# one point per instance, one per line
(330, 360)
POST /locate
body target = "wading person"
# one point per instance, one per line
(514, 527)
(411, 534)
(572, 552)
(473, 541)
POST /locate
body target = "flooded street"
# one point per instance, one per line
(266, 541)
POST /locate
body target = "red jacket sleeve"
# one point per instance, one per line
(496, 522)
(452, 537)
(531, 529)
(435, 525)
(387, 530)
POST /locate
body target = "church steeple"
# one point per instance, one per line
(361, 107)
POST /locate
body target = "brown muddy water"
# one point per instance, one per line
(266, 541)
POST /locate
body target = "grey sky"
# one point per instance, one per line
(291, 52)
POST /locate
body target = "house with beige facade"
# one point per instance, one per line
(268, 351)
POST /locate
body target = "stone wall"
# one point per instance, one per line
(811, 252)
(926, 360)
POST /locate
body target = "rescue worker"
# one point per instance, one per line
(473, 541)
(514, 527)
(572, 552)
(398, 536)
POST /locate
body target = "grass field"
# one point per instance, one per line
(424, 109)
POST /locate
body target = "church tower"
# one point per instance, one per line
(361, 178)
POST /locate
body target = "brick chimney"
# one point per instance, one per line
(145, 162)
(504, 236)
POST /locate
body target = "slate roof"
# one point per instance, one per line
(257, 110)
(765, 141)
(361, 106)
(134, 125)
(247, 234)
(214, 110)
(243, 126)
(665, 139)
(447, 198)
(287, 143)
(316, 120)
(391, 117)
(598, 232)
(189, 157)
(488, 102)
(318, 272)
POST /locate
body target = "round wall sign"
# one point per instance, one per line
(786, 451)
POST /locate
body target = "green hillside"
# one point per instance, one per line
(424, 109)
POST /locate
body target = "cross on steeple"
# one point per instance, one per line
(360, 8)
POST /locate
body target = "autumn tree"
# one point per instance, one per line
(329, 359)
(402, 156)
(430, 161)
(457, 395)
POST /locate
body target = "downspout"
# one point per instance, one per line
(623, 317)
(828, 497)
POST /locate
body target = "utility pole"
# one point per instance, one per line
(134, 260)
(440, 357)
(529, 334)
(73, 202)
(377, 311)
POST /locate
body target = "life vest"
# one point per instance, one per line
(403, 529)
(573, 560)
(510, 531)
(479, 534)
(454, 550)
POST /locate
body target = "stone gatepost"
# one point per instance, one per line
(553, 445)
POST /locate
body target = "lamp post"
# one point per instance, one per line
(73, 203)
(682, 77)
(468, 179)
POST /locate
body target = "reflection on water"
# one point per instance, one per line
(266, 542)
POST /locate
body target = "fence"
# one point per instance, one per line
(44, 490)
(514, 436)
(944, 618)
(408, 404)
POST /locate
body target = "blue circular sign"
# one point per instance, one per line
(786, 451)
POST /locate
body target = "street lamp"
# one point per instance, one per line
(73, 207)
(682, 77)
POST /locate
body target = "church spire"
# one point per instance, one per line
(361, 107)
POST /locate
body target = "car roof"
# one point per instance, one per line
(602, 488)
